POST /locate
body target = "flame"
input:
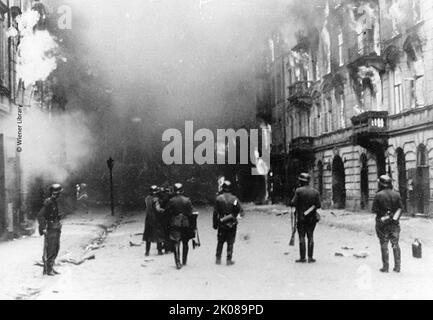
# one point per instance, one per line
(37, 50)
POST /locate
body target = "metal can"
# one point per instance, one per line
(417, 249)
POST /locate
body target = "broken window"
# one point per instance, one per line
(398, 92)
(340, 49)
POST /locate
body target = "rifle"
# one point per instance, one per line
(293, 216)
(196, 241)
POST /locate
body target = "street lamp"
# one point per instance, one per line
(110, 165)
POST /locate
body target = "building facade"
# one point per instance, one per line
(353, 99)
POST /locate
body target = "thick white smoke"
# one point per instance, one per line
(37, 50)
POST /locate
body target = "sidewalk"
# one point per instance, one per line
(79, 231)
(411, 228)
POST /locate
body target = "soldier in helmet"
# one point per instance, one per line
(387, 206)
(182, 224)
(165, 195)
(225, 220)
(154, 222)
(306, 201)
(51, 228)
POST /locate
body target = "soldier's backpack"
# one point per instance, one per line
(229, 220)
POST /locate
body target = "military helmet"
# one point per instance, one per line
(154, 189)
(304, 177)
(385, 181)
(178, 188)
(227, 186)
(55, 189)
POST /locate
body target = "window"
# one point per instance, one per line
(340, 49)
(398, 92)
(412, 90)
(4, 72)
(330, 115)
(278, 93)
(342, 114)
(299, 124)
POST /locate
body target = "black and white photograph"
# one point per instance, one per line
(238, 151)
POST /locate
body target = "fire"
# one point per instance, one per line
(37, 50)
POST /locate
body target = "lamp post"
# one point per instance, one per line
(110, 165)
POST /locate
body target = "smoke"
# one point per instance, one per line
(36, 51)
(53, 147)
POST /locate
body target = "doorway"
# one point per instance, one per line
(364, 181)
(422, 181)
(402, 176)
(338, 183)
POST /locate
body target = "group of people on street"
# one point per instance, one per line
(387, 205)
(171, 223)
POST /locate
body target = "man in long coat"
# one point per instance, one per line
(183, 224)
(154, 222)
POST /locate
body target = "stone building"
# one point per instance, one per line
(353, 99)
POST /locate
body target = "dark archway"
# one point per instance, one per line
(338, 183)
(320, 178)
(422, 180)
(364, 181)
(402, 176)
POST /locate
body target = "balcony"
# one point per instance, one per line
(300, 94)
(365, 54)
(370, 130)
(302, 147)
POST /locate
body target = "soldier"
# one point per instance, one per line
(225, 220)
(182, 224)
(387, 206)
(165, 196)
(50, 227)
(306, 201)
(153, 226)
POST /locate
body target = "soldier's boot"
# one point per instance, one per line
(397, 259)
(230, 262)
(385, 258)
(185, 250)
(177, 256)
(302, 251)
(148, 243)
(159, 247)
(219, 252)
(311, 252)
(50, 271)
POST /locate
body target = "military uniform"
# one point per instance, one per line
(154, 224)
(385, 204)
(182, 226)
(164, 198)
(51, 227)
(227, 208)
(305, 197)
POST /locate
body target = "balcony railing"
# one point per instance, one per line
(370, 129)
(371, 121)
(302, 143)
(300, 93)
(301, 89)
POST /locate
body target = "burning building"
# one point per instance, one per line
(27, 59)
(353, 100)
